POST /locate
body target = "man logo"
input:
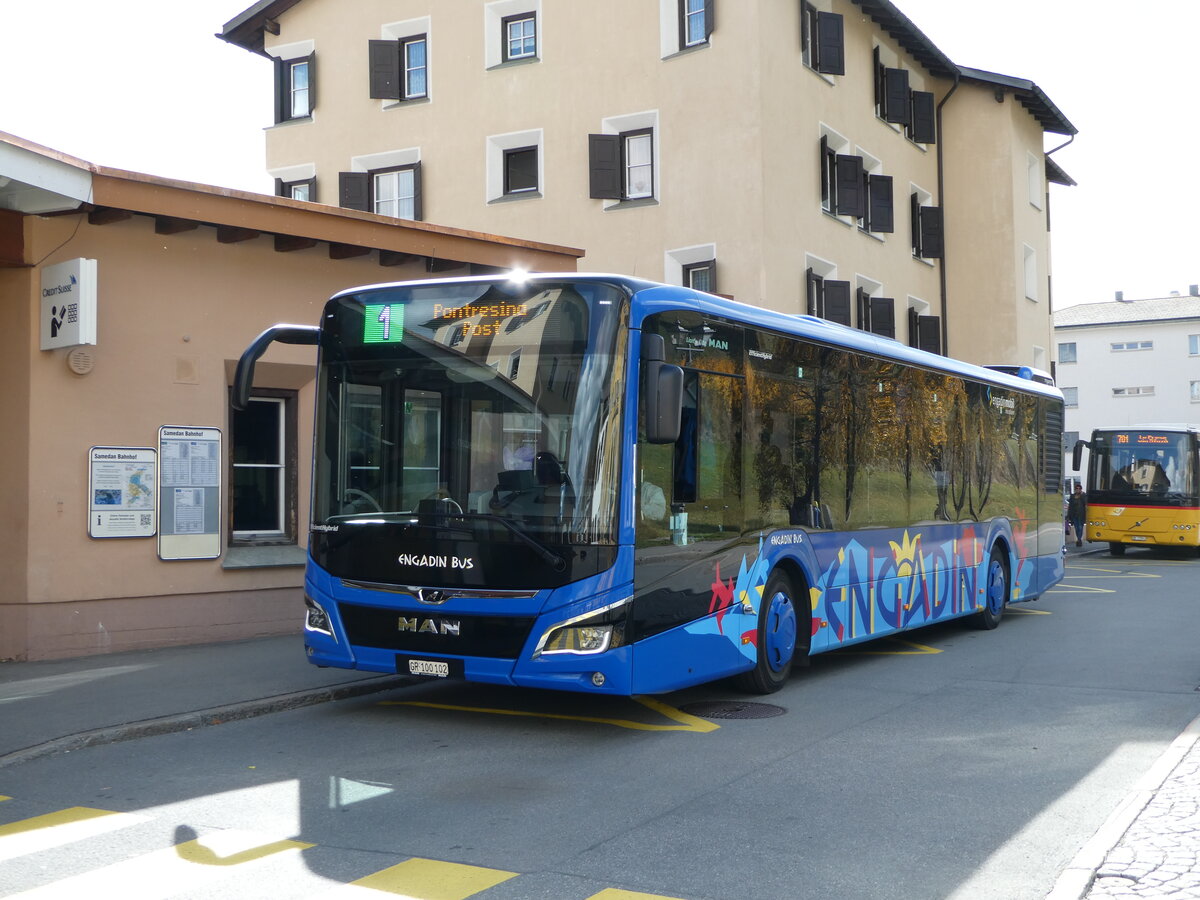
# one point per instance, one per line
(445, 627)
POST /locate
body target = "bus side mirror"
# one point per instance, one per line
(243, 376)
(1077, 455)
(662, 391)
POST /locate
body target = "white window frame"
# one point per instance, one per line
(390, 159)
(1074, 345)
(494, 36)
(1194, 345)
(1070, 397)
(837, 143)
(1130, 346)
(293, 54)
(669, 28)
(494, 148)
(1134, 391)
(1194, 391)
(675, 260)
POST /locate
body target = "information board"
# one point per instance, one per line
(121, 492)
(189, 492)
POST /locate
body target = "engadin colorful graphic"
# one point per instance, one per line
(902, 580)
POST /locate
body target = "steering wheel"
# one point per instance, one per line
(353, 496)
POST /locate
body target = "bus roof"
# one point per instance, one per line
(653, 294)
(1152, 426)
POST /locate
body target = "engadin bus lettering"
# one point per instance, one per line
(604, 512)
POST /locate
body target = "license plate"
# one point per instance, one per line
(430, 668)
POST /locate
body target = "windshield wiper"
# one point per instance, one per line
(547, 555)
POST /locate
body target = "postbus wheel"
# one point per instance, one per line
(1116, 548)
(995, 590)
(779, 638)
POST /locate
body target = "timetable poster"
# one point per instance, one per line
(189, 492)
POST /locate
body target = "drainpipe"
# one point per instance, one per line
(941, 142)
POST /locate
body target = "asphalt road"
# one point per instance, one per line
(953, 763)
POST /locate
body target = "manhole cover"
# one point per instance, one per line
(732, 709)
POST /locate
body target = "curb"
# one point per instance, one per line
(1076, 879)
(215, 715)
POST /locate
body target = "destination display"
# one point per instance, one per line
(383, 323)
(1140, 437)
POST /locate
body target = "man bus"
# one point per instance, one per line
(1143, 486)
(596, 483)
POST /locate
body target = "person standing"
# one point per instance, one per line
(1077, 513)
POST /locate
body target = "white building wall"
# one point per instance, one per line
(1168, 367)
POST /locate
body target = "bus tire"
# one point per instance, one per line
(780, 638)
(1116, 548)
(995, 592)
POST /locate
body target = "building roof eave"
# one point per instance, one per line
(246, 29)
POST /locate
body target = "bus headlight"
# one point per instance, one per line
(592, 633)
(315, 617)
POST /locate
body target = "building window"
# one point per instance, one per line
(263, 459)
(695, 22)
(399, 63)
(520, 170)
(1137, 391)
(621, 164)
(1194, 345)
(924, 331)
(305, 189)
(926, 223)
(1067, 353)
(1033, 175)
(1124, 346)
(1029, 257)
(701, 276)
(393, 190)
(295, 94)
(876, 207)
(826, 297)
(822, 44)
(1071, 397)
(876, 314)
(520, 36)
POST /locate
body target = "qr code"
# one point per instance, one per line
(146, 519)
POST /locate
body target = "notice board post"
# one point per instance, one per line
(189, 492)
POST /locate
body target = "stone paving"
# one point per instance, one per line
(1159, 854)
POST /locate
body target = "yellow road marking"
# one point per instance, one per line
(686, 722)
(1027, 612)
(3, 798)
(616, 894)
(429, 879)
(197, 852)
(918, 650)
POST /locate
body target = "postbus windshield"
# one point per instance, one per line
(1139, 466)
(468, 433)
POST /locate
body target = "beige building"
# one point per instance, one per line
(166, 283)
(817, 156)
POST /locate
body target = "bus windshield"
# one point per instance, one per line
(1136, 465)
(468, 433)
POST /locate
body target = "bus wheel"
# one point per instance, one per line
(778, 630)
(1116, 549)
(995, 591)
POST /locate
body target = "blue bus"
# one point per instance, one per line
(597, 483)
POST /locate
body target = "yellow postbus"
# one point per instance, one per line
(1143, 486)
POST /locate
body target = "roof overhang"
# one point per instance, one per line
(885, 14)
(36, 181)
(247, 28)
(1028, 94)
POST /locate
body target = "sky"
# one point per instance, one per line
(144, 85)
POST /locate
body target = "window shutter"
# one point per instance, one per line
(418, 203)
(930, 218)
(604, 166)
(895, 96)
(837, 302)
(354, 190)
(282, 91)
(279, 188)
(831, 56)
(312, 82)
(850, 199)
(384, 69)
(879, 191)
(912, 327)
(883, 316)
(812, 292)
(709, 21)
(924, 119)
(929, 333)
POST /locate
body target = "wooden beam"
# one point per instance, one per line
(172, 225)
(12, 239)
(394, 257)
(231, 234)
(106, 215)
(434, 264)
(347, 251)
(286, 243)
